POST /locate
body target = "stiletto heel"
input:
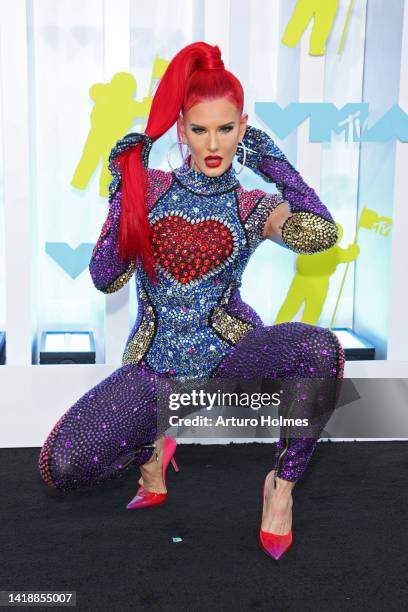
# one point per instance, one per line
(174, 464)
(274, 545)
(144, 497)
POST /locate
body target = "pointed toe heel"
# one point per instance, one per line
(273, 544)
(145, 498)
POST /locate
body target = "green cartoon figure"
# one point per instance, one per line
(323, 13)
(311, 281)
(113, 114)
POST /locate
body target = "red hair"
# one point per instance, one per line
(194, 75)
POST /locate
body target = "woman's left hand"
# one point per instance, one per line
(252, 148)
(258, 145)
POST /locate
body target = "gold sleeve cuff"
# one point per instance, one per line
(307, 233)
(121, 280)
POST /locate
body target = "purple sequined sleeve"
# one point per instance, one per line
(300, 196)
(310, 228)
(107, 271)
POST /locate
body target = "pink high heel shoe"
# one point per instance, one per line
(145, 498)
(274, 545)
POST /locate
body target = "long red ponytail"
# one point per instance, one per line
(195, 74)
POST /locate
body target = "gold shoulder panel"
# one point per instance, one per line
(307, 233)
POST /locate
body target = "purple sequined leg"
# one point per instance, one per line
(104, 431)
(298, 353)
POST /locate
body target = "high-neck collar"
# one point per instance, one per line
(203, 184)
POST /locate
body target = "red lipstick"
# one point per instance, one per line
(213, 161)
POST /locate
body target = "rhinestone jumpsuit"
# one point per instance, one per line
(193, 322)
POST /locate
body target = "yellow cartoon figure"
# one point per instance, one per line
(112, 116)
(323, 12)
(311, 281)
(370, 220)
(114, 113)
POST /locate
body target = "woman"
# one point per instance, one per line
(188, 234)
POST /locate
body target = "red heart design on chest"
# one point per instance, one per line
(189, 250)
